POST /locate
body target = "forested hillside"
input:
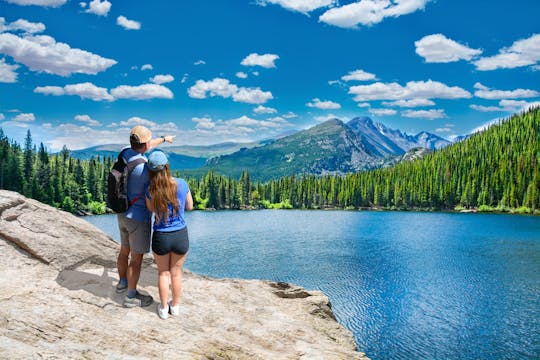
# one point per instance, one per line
(497, 169)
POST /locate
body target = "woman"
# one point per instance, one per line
(167, 197)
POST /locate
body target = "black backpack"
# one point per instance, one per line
(117, 198)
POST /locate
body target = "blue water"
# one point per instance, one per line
(407, 285)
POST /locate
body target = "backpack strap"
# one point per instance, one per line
(130, 166)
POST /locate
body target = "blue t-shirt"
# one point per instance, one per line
(137, 180)
(176, 221)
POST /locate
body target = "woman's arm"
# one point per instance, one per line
(149, 204)
(189, 201)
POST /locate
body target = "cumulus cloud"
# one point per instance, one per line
(358, 75)
(266, 60)
(264, 110)
(383, 112)
(443, 130)
(25, 117)
(369, 12)
(303, 6)
(162, 79)
(128, 24)
(437, 48)
(522, 52)
(424, 114)
(324, 118)
(485, 92)
(223, 88)
(98, 7)
(289, 115)
(242, 128)
(364, 104)
(21, 25)
(147, 67)
(85, 90)
(409, 103)
(43, 53)
(44, 3)
(87, 120)
(142, 92)
(7, 72)
(199, 62)
(506, 105)
(325, 105)
(241, 75)
(412, 90)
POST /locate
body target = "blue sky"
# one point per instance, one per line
(83, 73)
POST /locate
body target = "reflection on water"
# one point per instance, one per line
(408, 285)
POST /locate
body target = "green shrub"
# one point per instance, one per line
(96, 207)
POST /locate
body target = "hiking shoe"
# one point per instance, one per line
(174, 310)
(139, 300)
(163, 313)
(121, 287)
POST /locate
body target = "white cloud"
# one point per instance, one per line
(43, 53)
(50, 90)
(141, 92)
(523, 52)
(88, 91)
(369, 12)
(362, 105)
(324, 118)
(98, 7)
(325, 105)
(222, 87)
(147, 67)
(255, 73)
(266, 60)
(289, 115)
(184, 78)
(437, 48)
(409, 103)
(383, 112)
(83, 90)
(264, 110)
(21, 24)
(243, 128)
(486, 93)
(303, 6)
(358, 75)
(412, 90)
(45, 3)
(162, 79)
(87, 119)
(506, 105)
(25, 117)
(252, 96)
(443, 130)
(424, 114)
(241, 75)
(7, 72)
(128, 24)
(199, 62)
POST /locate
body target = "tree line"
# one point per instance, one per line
(496, 169)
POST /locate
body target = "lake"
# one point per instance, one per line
(407, 285)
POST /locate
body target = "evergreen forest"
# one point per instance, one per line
(494, 170)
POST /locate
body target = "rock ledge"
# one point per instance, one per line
(58, 301)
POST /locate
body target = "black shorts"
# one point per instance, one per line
(175, 241)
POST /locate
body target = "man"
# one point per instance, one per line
(135, 223)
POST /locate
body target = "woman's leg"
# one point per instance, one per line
(176, 263)
(162, 262)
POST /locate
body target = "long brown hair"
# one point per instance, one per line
(163, 192)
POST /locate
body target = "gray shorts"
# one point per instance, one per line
(134, 234)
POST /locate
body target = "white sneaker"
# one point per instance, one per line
(163, 312)
(173, 310)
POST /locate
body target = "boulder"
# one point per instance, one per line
(57, 275)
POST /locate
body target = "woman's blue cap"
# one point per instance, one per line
(157, 161)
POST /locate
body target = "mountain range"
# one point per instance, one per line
(332, 147)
